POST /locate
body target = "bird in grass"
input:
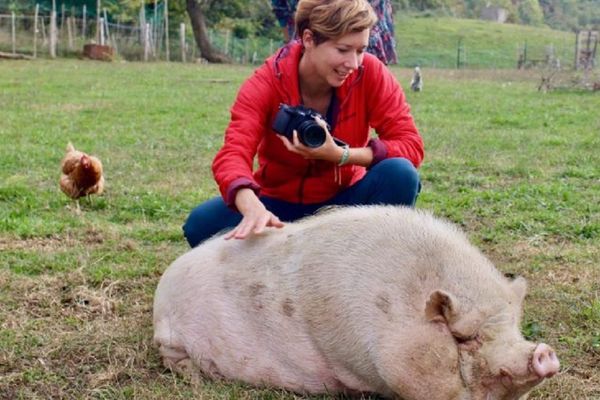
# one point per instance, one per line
(417, 81)
(82, 174)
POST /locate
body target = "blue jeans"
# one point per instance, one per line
(393, 181)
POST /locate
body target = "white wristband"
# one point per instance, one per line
(345, 156)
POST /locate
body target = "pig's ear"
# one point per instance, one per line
(441, 307)
(519, 287)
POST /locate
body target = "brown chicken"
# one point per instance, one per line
(81, 174)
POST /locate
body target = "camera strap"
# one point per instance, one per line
(332, 111)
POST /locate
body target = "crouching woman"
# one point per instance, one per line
(328, 71)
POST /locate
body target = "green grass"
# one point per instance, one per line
(517, 169)
(433, 42)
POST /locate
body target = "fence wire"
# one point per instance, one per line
(18, 35)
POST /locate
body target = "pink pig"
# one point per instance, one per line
(377, 299)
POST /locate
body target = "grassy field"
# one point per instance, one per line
(517, 169)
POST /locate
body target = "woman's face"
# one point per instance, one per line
(335, 59)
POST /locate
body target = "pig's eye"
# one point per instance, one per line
(468, 342)
(461, 340)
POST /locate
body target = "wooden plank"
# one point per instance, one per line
(15, 56)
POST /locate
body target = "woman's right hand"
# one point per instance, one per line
(256, 217)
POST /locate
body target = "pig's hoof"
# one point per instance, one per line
(186, 369)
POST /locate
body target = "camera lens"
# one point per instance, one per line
(311, 134)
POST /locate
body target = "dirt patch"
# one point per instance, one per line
(53, 243)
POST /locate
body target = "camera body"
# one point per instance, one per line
(301, 119)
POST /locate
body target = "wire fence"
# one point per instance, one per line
(30, 36)
(474, 58)
(556, 53)
(20, 34)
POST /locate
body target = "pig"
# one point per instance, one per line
(370, 299)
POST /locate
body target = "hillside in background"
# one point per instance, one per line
(442, 41)
(571, 15)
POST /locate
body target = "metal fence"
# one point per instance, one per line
(21, 34)
(148, 41)
(467, 54)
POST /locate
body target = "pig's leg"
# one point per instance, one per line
(172, 353)
(178, 362)
(177, 359)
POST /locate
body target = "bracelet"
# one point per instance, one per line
(345, 156)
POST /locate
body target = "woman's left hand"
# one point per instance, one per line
(328, 151)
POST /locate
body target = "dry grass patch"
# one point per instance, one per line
(64, 337)
(54, 243)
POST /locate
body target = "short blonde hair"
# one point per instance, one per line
(329, 19)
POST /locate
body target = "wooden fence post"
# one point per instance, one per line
(35, 29)
(167, 29)
(458, 53)
(576, 63)
(155, 28)
(69, 33)
(62, 18)
(53, 35)
(14, 33)
(142, 22)
(101, 25)
(146, 41)
(106, 31)
(182, 40)
(74, 28)
(98, 25)
(44, 37)
(227, 33)
(84, 22)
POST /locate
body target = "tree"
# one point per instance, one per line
(197, 10)
(530, 12)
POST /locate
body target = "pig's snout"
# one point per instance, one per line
(544, 361)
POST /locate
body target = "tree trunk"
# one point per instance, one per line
(201, 34)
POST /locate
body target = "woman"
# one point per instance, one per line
(382, 42)
(284, 13)
(329, 71)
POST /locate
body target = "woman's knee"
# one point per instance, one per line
(399, 170)
(191, 230)
(401, 178)
(208, 219)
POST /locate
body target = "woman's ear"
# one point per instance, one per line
(308, 38)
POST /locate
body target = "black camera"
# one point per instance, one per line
(301, 119)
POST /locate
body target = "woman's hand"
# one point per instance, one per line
(255, 216)
(328, 151)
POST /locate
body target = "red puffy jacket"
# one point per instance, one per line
(369, 97)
